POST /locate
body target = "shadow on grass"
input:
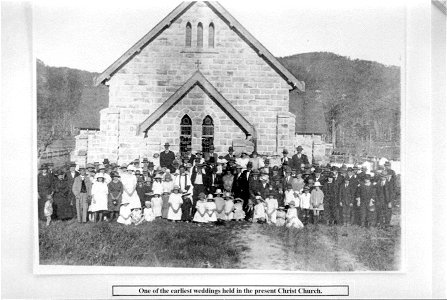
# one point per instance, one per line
(156, 244)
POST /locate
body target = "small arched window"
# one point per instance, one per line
(185, 135)
(211, 36)
(188, 35)
(200, 35)
(207, 134)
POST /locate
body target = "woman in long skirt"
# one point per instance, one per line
(200, 215)
(228, 207)
(61, 201)
(130, 194)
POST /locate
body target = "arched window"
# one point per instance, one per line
(185, 135)
(200, 35)
(211, 36)
(188, 35)
(207, 134)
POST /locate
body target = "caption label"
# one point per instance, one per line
(228, 291)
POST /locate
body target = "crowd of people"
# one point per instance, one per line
(207, 188)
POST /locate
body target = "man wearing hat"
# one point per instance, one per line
(200, 181)
(299, 159)
(254, 184)
(183, 180)
(346, 197)
(82, 191)
(230, 154)
(166, 158)
(366, 197)
(70, 177)
(285, 160)
(44, 188)
(383, 202)
(330, 189)
(210, 156)
(240, 183)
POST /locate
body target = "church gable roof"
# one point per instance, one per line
(227, 18)
(198, 79)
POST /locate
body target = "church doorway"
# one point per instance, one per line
(207, 134)
(185, 135)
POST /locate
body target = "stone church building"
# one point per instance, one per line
(197, 79)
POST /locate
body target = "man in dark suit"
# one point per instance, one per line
(230, 154)
(285, 159)
(200, 181)
(239, 183)
(299, 159)
(346, 194)
(366, 196)
(287, 180)
(264, 187)
(383, 202)
(166, 158)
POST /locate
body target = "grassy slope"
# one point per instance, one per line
(156, 244)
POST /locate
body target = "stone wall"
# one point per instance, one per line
(313, 146)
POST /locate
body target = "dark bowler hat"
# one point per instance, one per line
(167, 144)
(387, 163)
(145, 160)
(59, 172)
(150, 164)
(43, 167)
(299, 148)
(230, 149)
(106, 161)
(285, 151)
(72, 164)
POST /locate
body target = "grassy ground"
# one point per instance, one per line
(235, 245)
(325, 248)
(157, 244)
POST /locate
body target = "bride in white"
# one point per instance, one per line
(130, 195)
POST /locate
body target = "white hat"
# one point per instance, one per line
(317, 183)
(131, 168)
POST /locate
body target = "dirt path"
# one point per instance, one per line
(264, 252)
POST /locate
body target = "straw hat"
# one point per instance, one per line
(210, 197)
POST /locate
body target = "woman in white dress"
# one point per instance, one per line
(129, 181)
(292, 217)
(157, 186)
(175, 203)
(99, 198)
(200, 215)
(211, 209)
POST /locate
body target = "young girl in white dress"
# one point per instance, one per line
(148, 213)
(259, 215)
(200, 215)
(48, 209)
(157, 186)
(175, 203)
(239, 213)
(292, 217)
(156, 205)
(272, 206)
(211, 209)
(289, 195)
(228, 207)
(125, 214)
(130, 195)
(100, 191)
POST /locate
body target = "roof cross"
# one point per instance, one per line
(198, 63)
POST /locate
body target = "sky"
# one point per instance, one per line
(91, 35)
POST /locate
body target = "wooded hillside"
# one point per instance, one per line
(363, 97)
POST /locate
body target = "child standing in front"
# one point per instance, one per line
(156, 205)
(148, 213)
(228, 207)
(211, 209)
(305, 203)
(316, 200)
(48, 209)
(280, 216)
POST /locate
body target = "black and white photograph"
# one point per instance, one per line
(223, 149)
(197, 147)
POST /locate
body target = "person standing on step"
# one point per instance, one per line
(166, 158)
(299, 159)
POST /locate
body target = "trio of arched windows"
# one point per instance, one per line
(188, 35)
(186, 134)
